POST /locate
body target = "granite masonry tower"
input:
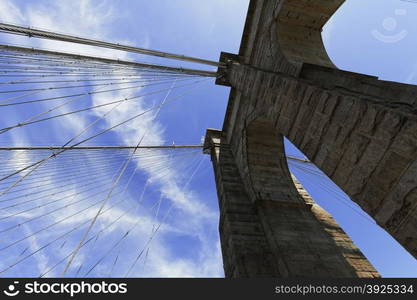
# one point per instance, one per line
(360, 131)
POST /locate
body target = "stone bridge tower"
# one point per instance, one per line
(360, 131)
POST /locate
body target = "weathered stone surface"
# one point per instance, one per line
(299, 24)
(360, 131)
(269, 225)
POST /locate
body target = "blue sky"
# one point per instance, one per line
(187, 244)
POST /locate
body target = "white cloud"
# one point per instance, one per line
(86, 18)
(42, 261)
(9, 12)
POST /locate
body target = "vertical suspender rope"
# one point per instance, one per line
(112, 188)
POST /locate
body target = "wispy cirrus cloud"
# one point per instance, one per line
(90, 18)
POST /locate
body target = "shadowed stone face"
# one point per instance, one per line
(269, 225)
(360, 131)
(299, 24)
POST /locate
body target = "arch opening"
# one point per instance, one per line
(377, 244)
(306, 239)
